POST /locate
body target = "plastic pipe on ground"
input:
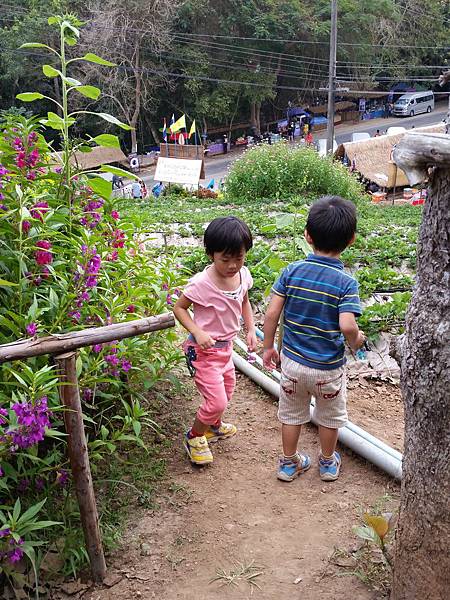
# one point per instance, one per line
(361, 442)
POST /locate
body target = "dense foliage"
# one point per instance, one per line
(280, 171)
(68, 261)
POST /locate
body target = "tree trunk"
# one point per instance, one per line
(422, 559)
(137, 100)
(253, 121)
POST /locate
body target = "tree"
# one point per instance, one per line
(422, 560)
(133, 35)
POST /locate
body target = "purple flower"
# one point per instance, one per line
(169, 300)
(91, 281)
(26, 226)
(126, 366)
(2, 206)
(97, 348)
(43, 256)
(115, 215)
(38, 210)
(23, 485)
(1, 472)
(31, 329)
(165, 286)
(32, 421)
(88, 394)
(75, 315)
(62, 477)
(5, 532)
(39, 484)
(3, 413)
(130, 308)
(112, 359)
(15, 555)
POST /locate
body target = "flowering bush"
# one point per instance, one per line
(279, 171)
(68, 262)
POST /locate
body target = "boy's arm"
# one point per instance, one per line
(271, 357)
(350, 329)
(203, 339)
(247, 315)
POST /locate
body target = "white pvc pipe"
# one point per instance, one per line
(361, 442)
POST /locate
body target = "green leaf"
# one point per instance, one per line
(90, 91)
(33, 45)
(79, 366)
(107, 140)
(276, 264)
(16, 509)
(4, 283)
(115, 121)
(283, 221)
(50, 71)
(52, 20)
(367, 533)
(85, 149)
(29, 96)
(118, 171)
(271, 228)
(101, 187)
(90, 57)
(31, 512)
(72, 81)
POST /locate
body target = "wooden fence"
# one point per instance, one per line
(63, 347)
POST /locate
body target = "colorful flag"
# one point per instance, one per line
(180, 124)
(164, 131)
(172, 137)
(192, 130)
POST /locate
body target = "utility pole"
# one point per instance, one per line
(332, 77)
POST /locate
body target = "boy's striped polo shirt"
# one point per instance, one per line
(316, 290)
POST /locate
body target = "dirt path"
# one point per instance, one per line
(236, 511)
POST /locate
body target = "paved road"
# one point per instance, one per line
(217, 167)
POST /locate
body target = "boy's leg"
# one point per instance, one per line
(331, 413)
(293, 412)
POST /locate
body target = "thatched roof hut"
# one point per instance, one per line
(98, 156)
(373, 157)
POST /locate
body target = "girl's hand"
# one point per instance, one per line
(252, 342)
(271, 359)
(204, 340)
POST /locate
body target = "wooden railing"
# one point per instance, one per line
(63, 347)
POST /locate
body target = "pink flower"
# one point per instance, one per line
(26, 226)
(115, 215)
(131, 308)
(31, 329)
(113, 256)
(126, 366)
(42, 256)
(38, 210)
(97, 348)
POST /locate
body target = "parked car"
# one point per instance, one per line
(414, 103)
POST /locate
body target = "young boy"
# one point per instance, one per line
(320, 302)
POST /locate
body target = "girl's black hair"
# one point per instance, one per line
(227, 234)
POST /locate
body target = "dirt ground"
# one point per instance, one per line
(236, 514)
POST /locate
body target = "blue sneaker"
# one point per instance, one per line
(329, 468)
(289, 469)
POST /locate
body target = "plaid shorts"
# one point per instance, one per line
(300, 383)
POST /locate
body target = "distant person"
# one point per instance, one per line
(225, 144)
(143, 189)
(309, 140)
(310, 292)
(136, 190)
(377, 133)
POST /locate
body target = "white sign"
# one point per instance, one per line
(178, 170)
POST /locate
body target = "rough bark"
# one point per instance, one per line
(422, 560)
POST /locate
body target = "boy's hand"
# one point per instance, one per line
(271, 359)
(204, 340)
(252, 342)
(360, 340)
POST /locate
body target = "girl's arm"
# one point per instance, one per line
(247, 314)
(203, 339)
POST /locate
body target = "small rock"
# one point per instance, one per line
(112, 579)
(297, 580)
(146, 549)
(73, 587)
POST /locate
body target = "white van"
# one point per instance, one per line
(414, 103)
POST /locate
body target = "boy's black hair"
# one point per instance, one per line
(331, 223)
(227, 234)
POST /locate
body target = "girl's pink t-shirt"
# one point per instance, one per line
(215, 311)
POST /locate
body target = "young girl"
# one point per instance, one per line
(219, 297)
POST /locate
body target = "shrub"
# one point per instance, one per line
(280, 171)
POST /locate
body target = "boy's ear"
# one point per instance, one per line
(308, 238)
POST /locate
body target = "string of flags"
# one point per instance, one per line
(177, 127)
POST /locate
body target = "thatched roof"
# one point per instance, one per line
(373, 157)
(98, 156)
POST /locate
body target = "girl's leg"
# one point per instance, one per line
(328, 440)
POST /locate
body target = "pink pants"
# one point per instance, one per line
(215, 379)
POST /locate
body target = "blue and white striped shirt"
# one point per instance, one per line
(316, 290)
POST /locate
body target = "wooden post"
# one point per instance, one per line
(79, 462)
